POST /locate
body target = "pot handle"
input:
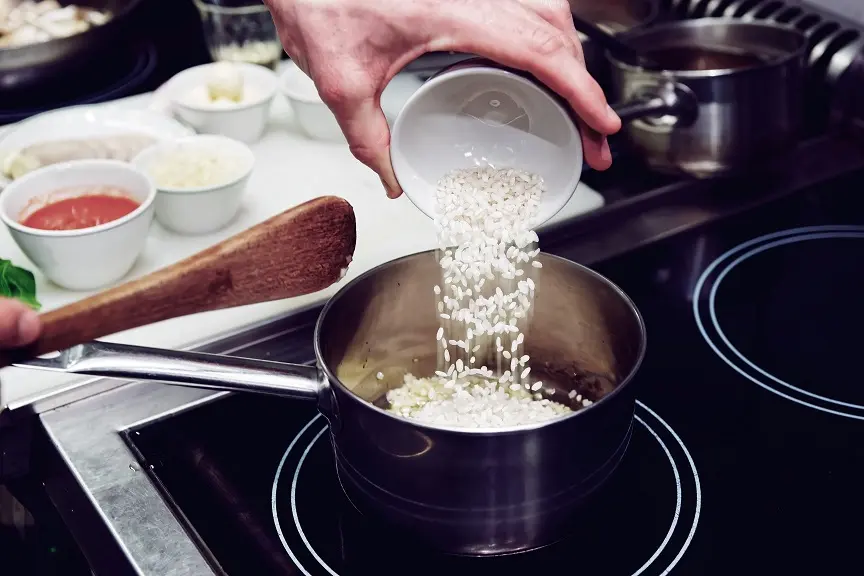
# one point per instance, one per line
(182, 368)
(667, 99)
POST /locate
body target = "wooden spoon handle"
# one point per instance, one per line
(300, 251)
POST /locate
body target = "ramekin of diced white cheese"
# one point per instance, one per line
(200, 181)
(227, 98)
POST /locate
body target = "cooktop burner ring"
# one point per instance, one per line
(712, 278)
(296, 442)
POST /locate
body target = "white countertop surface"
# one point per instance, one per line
(290, 169)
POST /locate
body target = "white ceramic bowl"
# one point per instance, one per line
(311, 114)
(245, 122)
(478, 115)
(89, 258)
(208, 208)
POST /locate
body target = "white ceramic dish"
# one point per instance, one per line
(89, 258)
(311, 114)
(80, 122)
(245, 122)
(477, 115)
(203, 209)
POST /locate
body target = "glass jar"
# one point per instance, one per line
(240, 31)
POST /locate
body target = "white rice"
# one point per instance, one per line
(476, 403)
(487, 246)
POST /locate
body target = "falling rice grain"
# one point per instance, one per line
(484, 218)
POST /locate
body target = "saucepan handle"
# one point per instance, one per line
(666, 99)
(193, 369)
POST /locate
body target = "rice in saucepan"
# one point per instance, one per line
(487, 251)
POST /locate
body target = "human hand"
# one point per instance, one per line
(19, 325)
(353, 48)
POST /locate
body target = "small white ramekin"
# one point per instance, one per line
(311, 114)
(244, 122)
(193, 211)
(89, 258)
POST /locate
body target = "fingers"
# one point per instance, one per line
(557, 13)
(595, 148)
(537, 47)
(368, 134)
(19, 325)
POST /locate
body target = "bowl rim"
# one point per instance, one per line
(85, 165)
(476, 67)
(267, 96)
(150, 151)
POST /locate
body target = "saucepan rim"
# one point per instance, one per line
(790, 56)
(485, 431)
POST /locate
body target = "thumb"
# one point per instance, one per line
(19, 325)
(368, 134)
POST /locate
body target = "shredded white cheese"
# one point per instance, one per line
(193, 166)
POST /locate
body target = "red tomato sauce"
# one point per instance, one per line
(80, 212)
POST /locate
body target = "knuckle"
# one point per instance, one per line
(340, 87)
(364, 153)
(330, 89)
(556, 11)
(547, 42)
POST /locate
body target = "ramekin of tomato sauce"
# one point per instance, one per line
(82, 207)
(82, 223)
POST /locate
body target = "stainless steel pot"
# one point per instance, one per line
(463, 491)
(717, 120)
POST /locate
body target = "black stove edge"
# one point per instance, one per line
(172, 503)
(59, 488)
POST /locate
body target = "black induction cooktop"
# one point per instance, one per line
(747, 453)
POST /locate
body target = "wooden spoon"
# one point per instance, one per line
(300, 251)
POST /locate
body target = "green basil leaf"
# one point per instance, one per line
(18, 283)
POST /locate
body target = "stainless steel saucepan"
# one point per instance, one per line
(460, 490)
(727, 94)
